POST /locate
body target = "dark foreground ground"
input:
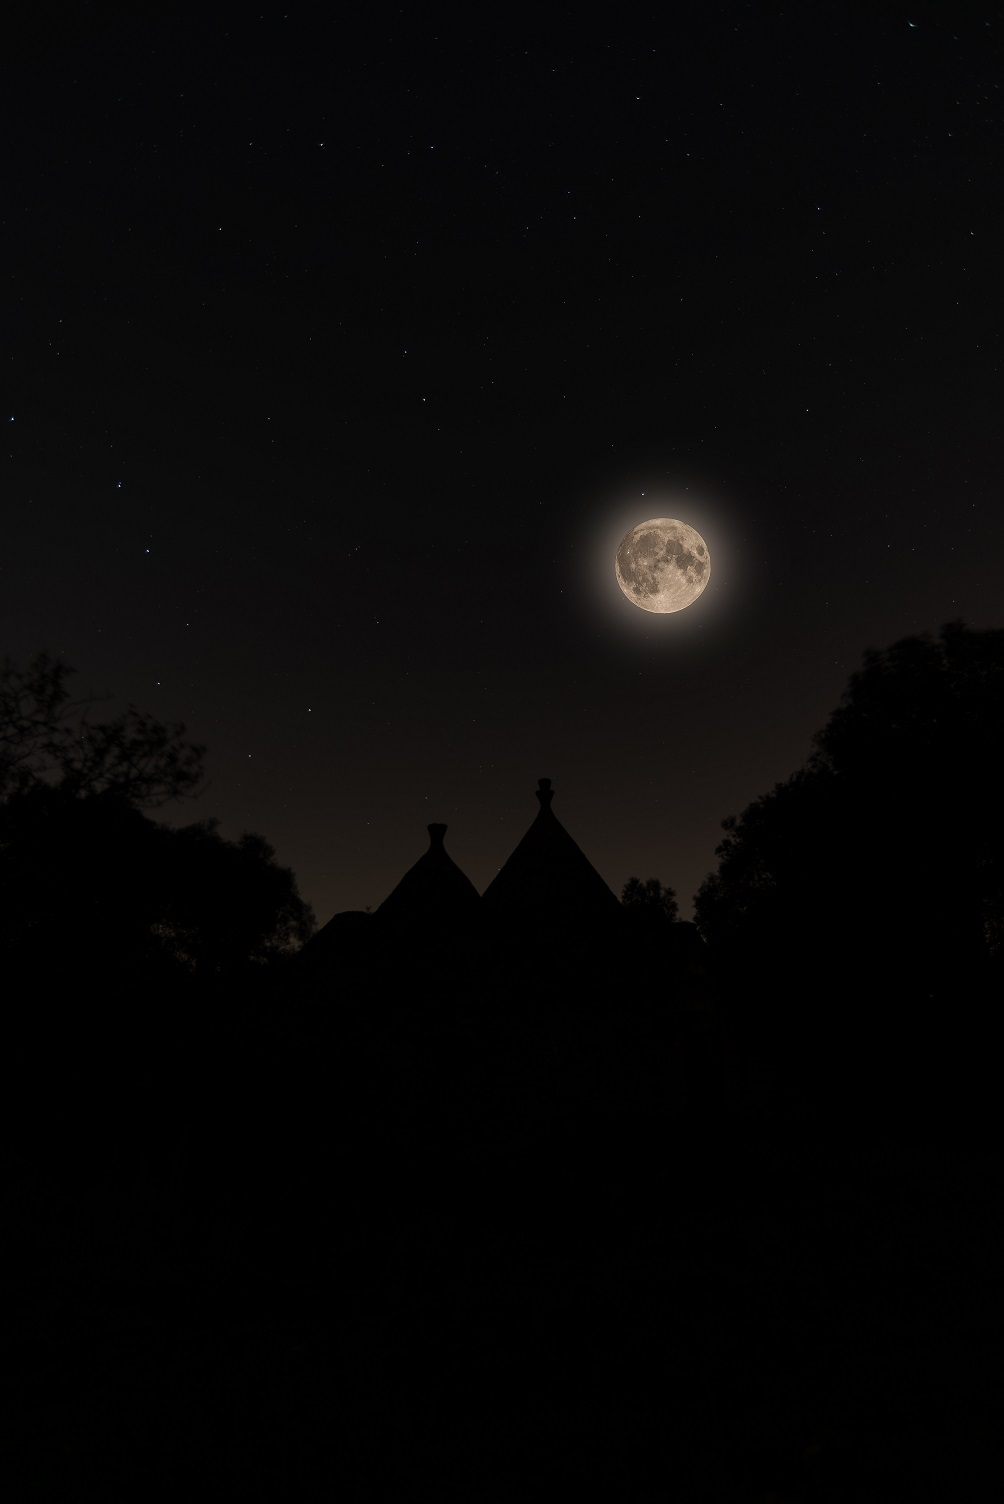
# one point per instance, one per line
(490, 1262)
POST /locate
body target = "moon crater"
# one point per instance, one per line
(663, 565)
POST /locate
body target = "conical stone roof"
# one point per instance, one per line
(432, 892)
(548, 878)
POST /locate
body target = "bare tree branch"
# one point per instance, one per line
(46, 736)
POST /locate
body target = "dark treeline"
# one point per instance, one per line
(507, 1203)
(857, 912)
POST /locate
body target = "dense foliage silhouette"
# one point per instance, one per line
(649, 902)
(95, 889)
(859, 904)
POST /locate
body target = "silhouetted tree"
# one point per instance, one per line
(895, 823)
(760, 897)
(226, 905)
(650, 936)
(863, 895)
(650, 901)
(92, 887)
(47, 737)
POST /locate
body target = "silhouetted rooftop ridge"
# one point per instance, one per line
(433, 889)
(548, 875)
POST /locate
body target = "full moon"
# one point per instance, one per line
(663, 565)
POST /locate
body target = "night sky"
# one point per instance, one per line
(339, 355)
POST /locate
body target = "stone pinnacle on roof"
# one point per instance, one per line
(434, 890)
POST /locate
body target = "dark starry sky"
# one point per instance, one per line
(339, 354)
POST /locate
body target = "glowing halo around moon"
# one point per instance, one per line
(663, 565)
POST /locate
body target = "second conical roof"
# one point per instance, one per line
(434, 890)
(548, 875)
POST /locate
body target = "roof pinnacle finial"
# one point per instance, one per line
(436, 834)
(544, 792)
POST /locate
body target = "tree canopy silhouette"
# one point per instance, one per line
(91, 882)
(227, 904)
(48, 737)
(887, 848)
(650, 902)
